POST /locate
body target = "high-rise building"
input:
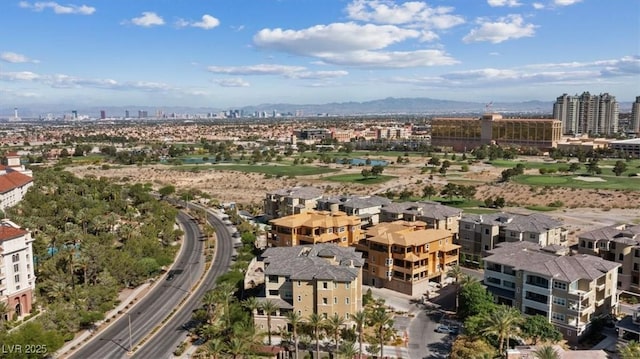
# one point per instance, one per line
(635, 117)
(103, 114)
(587, 114)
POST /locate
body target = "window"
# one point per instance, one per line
(299, 298)
(590, 245)
(335, 300)
(325, 285)
(347, 285)
(486, 231)
(335, 285)
(341, 229)
(635, 266)
(16, 278)
(559, 301)
(325, 301)
(299, 283)
(329, 230)
(560, 285)
(15, 257)
(583, 244)
(557, 316)
(273, 279)
(273, 292)
(620, 256)
(532, 236)
(388, 261)
(16, 268)
(344, 239)
(346, 300)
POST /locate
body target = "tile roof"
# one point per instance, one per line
(356, 201)
(529, 257)
(319, 261)
(314, 219)
(423, 208)
(534, 223)
(7, 232)
(628, 234)
(400, 234)
(13, 180)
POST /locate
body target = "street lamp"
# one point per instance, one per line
(130, 341)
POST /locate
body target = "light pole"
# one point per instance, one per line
(130, 341)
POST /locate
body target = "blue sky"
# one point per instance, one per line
(229, 53)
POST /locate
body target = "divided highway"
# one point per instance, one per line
(146, 314)
(165, 341)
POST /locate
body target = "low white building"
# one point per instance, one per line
(17, 280)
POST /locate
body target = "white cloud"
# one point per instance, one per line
(57, 8)
(498, 3)
(148, 19)
(565, 2)
(416, 13)
(506, 28)
(538, 6)
(16, 58)
(208, 22)
(352, 44)
(260, 69)
(235, 82)
(317, 75)
(19, 76)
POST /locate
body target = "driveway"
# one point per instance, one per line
(421, 321)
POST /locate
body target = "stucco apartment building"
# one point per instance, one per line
(568, 290)
(13, 186)
(620, 244)
(17, 280)
(479, 234)
(284, 202)
(367, 208)
(405, 256)
(434, 214)
(314, 227)
(324, 278)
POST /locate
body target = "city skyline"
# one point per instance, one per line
(226, 54)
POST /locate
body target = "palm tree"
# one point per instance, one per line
(294, 320)
(347, 350)
(214, 347)
(456, 273)
(4, 310)
(209, 300)
(251, 304)
(360, 318)
(502, 322)
(237, 347)
(316, 322)
(269, 308)
(382, 322)
(630, 351)
(546, 352)
(224, 291)
(334, 324)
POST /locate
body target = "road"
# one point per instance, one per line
(114, 341)
(165, 341)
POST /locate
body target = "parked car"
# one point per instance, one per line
(446, 330)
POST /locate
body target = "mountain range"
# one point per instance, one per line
(390, 105)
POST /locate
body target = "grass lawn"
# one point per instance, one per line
(611, 182)
(358, 179)
(270, 169)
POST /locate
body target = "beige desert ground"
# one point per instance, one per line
(583, 209)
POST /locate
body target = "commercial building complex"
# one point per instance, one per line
(463, 134)
(567, 290)
(478, 234)
(324, 278)
(17, 280)
(631, 147)
(587, 114)
(405, 256)
(620, 244)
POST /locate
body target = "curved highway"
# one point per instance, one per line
(114, 341)
(165, 341)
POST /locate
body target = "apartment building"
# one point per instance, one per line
(587, 114)
(478, 234)
(285, 202)
(620, 244)
(462, 134)
(405, 256)
(434, 214)
(366, 207)
(314, 227)
(13, 186)
(324, 278)
(17, 280)
(568, 290)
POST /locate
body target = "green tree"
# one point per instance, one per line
(334, 324)
(382, 324)
(316, 324)
(574, 167)
(537, 328)
(214, 347)
(546, 352)
(347, 350)
(360, 319)
(619, 167)
(503, 323)
(629, 351)
(269, 307)
(167, 190)
(295, 320)
(365, 173)
(429, 191)
(456, 273)
(465, 347)
(474, 299)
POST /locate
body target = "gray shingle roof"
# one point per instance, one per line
(627, 234)
(314, 262)
(423, 208)
(534, 223)
(529, 257)
(356, 201)
(299, 192)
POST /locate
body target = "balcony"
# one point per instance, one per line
(600, 287)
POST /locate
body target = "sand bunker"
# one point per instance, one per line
(589, 179)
